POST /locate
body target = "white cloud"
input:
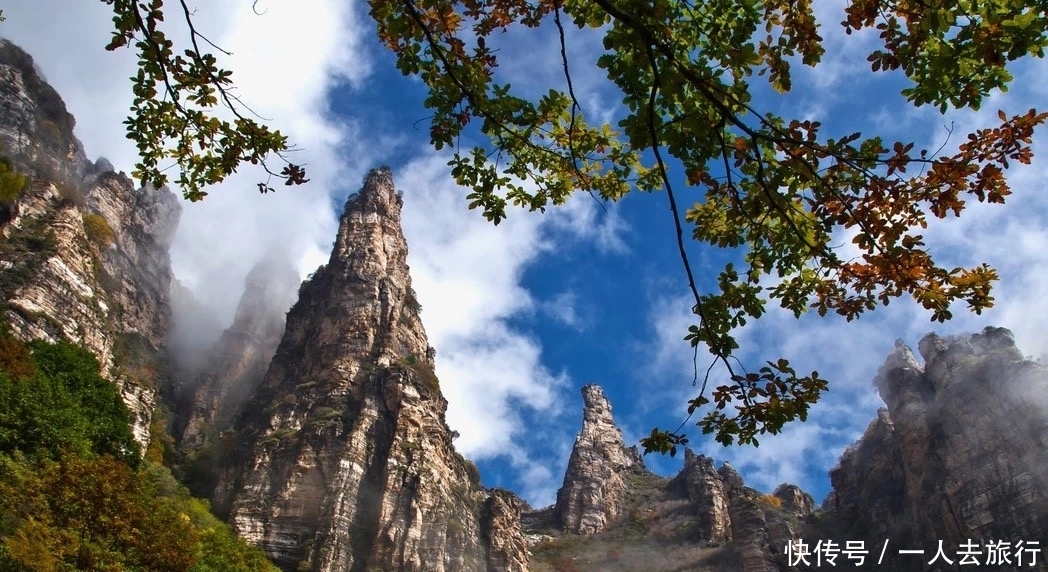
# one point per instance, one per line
(468, 274)
(584, 219)
(845, 56)
(284, 63)
(564, 308)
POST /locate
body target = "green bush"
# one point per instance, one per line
(98, 230)
(12, 183)
(74, 494)
(64, 406)
(91, 515)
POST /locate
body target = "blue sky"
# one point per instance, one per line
(524, 314)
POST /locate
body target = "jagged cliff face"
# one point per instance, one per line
(238, 361)
(960, 451)
(613, 514)
(347, 462)
(36, 130)
(83, 253)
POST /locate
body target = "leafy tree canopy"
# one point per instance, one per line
(53, 401)
(774, 189)
(176, 96)
(74, 494)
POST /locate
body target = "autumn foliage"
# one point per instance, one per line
(778, 191)
(74, 494)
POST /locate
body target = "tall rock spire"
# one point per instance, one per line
(594, 492)
(348, 463)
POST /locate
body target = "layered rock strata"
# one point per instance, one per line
(595, 484)
(347, 462)
(84, 253)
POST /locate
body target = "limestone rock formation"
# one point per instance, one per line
(595, 484)
(346, 461)
(704, 518)
(501, 531)
(960, 451)
(83, 254)
(709, 495)
(760, 527)
(239, 359)
(36, 130)
(756, 526)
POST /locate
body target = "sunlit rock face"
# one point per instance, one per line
(85, 254)
(960, 452)
(346, 461)
(594, 491)
(704, 518)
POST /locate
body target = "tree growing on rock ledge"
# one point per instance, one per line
(774, 189)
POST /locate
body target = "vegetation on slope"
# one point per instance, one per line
(74, 493)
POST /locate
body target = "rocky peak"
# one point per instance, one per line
(708, 492)
(593, 495)
(794, 500)
(712, 520)
(959, 452)
(36, 130)
(369, 266)
(346, 461)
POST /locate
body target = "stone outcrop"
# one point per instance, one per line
(761, 525)
(238, 361)
(84, 254)
(703, 512)
(595, 484)
(36, 130)
(346, 461)
(960, 451)
(756, 525)
(501, 531)
(708, 493)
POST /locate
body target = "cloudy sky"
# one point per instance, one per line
(524, 314)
